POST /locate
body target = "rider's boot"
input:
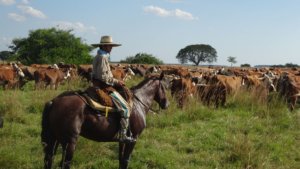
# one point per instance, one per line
(124, 122)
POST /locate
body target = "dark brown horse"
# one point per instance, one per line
(67, 116)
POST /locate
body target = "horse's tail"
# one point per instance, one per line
(45, 135)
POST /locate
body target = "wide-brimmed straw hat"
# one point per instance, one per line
(106, 40)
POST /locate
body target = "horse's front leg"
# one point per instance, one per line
(125, 150)
(121, 153)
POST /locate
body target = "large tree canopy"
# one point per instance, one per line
(51, 46)
(197, 53)
(142, 58)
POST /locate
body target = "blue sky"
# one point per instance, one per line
(254, 31)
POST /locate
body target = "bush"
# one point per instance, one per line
(142, 58)
(245, 65)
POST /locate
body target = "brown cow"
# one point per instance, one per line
(217, 88)
(122, 73)
(11, 77)
(180, 72)
(28, 72)
(260, 87)
(72, 69)
(40, 65)
(152, 69)
(288, 87)
(85, 71)
(182, 89)
(138, 70)
(52, 77)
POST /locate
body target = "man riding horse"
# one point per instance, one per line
(103, 79)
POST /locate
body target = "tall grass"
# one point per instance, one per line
(246, 133)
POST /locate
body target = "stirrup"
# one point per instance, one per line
(127, 140)
(123, 138)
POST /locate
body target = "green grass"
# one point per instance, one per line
(246, 133)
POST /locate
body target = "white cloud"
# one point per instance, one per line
(7, 2)
(77, 27)
(32, 12)
(183, 15)
(157, 11)
(16, 17)
(169, 13)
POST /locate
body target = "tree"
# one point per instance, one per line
(245, 65)
(291, 65)
(5, 55)
(231, 59)
(142, 58)
(48, 46)
(197, 53)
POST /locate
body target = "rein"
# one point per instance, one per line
(154, 111)
(139, 100)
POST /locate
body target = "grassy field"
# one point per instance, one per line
(247, 133)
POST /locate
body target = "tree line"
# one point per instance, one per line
(52, 45)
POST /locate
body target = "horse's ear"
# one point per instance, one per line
(162, 75)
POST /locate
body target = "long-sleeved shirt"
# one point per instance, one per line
(101, 69)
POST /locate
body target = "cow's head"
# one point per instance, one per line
(268, 82)
(67, 74)
(129, 70)
(19, 71)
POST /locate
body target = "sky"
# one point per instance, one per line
(257, 32)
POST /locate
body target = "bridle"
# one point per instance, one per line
(139, 100)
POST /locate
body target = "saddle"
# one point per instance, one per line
(100, 99)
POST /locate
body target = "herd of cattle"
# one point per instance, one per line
(211, 85)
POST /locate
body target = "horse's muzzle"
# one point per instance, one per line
(165, 105)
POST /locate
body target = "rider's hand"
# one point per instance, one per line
(121, 83)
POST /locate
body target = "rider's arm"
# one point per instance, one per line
(106, 74)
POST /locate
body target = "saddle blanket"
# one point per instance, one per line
(118, 100)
